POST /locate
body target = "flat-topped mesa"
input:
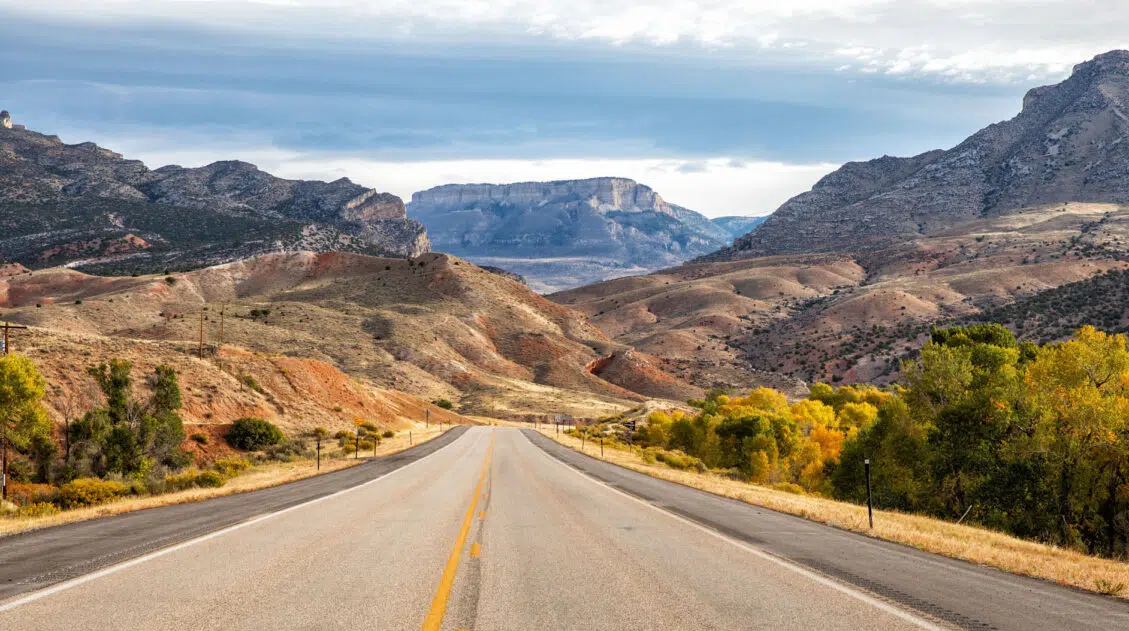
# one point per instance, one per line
(602, 193)
(5, 120)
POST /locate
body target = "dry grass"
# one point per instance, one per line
(258, 477)
(969, 543)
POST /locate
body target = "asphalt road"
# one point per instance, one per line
(491, 532)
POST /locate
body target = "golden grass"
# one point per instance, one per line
(257, 477)
(969, 543)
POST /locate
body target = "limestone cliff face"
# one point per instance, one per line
(565, 233)
(1070, 143)
(56, 195)
(602, 194)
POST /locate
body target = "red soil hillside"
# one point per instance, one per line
(435, 326)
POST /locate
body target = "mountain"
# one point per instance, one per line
(434, 326)
(737, 226)
(89, 207)
(1026, 223)
(566, 233)
(1066, 145)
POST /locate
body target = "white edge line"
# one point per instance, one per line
(798, 569)
(106, 571)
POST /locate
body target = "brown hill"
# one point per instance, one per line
(294, 393)
(834, 317)
(435, 325)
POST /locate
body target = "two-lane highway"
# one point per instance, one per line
(494, 531)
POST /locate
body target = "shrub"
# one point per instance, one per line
(251, 433)
(443, 403)
(89, 492)
(678, 460)
(26, 493)
(388, 433)
(788, 487)
(230, 467)
(38, 509)
(180, 481)
(250, 382)
(200, 438)
(210, 479)
(286, 451)
(369, 426)
(365, 445)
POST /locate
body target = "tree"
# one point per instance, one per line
(115, 382)
(23, 421)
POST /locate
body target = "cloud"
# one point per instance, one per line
(957, 40)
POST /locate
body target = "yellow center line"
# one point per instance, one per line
(475, 550)
(434, 619)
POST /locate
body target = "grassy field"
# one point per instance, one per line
(258, 477)
(969, 543)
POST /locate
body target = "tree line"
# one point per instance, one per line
(1027, 439)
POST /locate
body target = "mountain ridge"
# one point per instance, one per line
(1065, 145)
(67, 204)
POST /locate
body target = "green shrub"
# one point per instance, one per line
(365, 445)
(231, 467)
(38, 509)
(369, 427)
(443, 403)
(89, 492)
(210, 479)
(250, 382)
(251, 433)
(388, 433)
(199, 438)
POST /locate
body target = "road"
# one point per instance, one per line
(500, 529)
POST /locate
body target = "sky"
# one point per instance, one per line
(728, 107)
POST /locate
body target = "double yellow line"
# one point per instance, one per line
(439, 604)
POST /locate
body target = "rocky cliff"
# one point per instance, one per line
(63, 203)
(566, 233)
(1068, 144)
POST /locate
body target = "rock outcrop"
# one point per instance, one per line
(566, 233)
(60, 201)
(1068, 144)
(5, 120)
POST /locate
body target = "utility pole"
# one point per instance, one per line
(869, 501)
(201, 352)
(7, 336)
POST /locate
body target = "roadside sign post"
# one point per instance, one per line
(427, 417)
(319, 453)
(869, 500)
(409, 438)
(601, 446)
(357, 451)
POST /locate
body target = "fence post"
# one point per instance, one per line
(869, 498)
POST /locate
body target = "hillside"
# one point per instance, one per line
(566, 233)
(89, 207)
(1066, 145)
(434, 326)
(852, 317)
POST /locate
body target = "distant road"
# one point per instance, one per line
(493, 531)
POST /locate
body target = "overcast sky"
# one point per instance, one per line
(724, 106)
